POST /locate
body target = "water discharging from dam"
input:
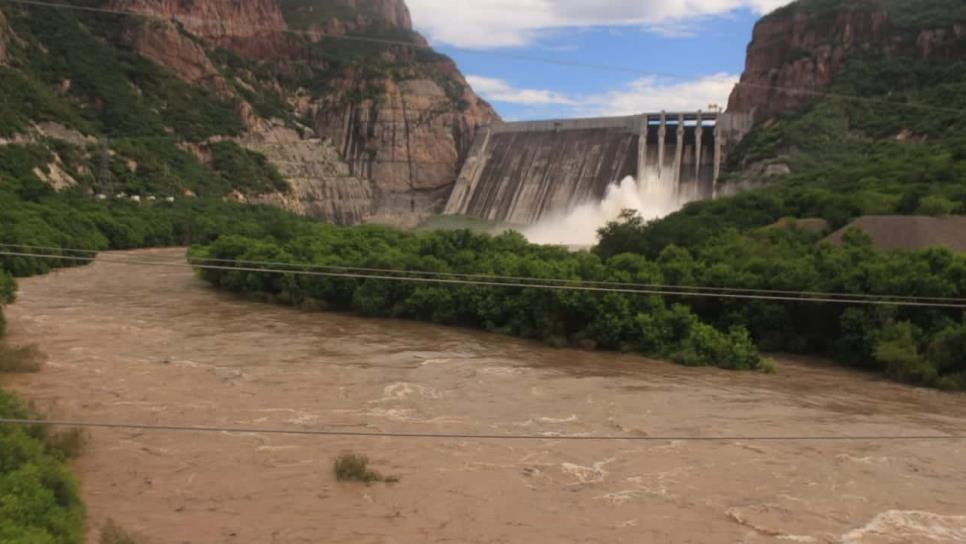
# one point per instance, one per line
(578, 226)
(561, 180)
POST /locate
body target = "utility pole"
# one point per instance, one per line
(104, 181)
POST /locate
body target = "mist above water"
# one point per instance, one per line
(652, 197)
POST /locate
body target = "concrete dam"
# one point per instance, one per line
(519, 173)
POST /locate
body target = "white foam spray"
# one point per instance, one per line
(653, 198)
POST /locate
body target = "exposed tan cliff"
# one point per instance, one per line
(398, 137)
(164, 44)
(798, 50)
(215, 20)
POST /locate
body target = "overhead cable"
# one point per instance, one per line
(481, 283)
(473, 436)
(544, 280)
(527, 58)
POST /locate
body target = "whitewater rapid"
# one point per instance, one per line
(651, 197)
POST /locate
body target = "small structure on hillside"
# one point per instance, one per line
(909, 232)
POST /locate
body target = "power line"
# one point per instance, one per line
(514, 56)
(478, 283)
(487, 276)
(471, 436)
(563, 281)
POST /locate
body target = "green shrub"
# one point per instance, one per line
(112, 533)
(245, 170)
(936, 205)
(354, 467)
(19, 359)
(68, 443)
(39, 500)
(706, 345)
(768, 366)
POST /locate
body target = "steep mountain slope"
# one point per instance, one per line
(862, 108)
(806, 45)
(331, 108)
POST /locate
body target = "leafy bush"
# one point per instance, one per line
(792, 260)
(38, 497)
(17, 359)
(590, 320)
(354, 467)
(245, 170)
(112, 533)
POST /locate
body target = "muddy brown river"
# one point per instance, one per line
(148, 344)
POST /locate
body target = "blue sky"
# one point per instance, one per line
(672, 54)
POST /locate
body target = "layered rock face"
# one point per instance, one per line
(384, 146)
(214, 20)
(798, 50)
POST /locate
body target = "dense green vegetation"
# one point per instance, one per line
(77, 222)
(39, 502)
(791, 260)
(38, 498)
(890, 138)
(114, 90)
(63, 70)
(244, 170)
(643, 324)
(906, 15)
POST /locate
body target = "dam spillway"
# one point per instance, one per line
(518, 173)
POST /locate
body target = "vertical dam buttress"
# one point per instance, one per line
(517, 173)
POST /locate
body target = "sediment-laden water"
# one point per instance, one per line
(153, 344)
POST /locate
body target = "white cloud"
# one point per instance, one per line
(509, 23)
(651, 94)
(497, 90)
(644, 95)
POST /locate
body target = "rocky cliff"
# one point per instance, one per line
(800, 49)
(346, 102)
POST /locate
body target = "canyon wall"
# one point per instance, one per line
(799, 49)
(361, 130)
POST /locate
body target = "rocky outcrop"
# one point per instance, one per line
(412, 142)
(795, 54)
(214, 20)
(321, 184)
(798, 50)
(163, 43)
(391, 12)
(383, 146)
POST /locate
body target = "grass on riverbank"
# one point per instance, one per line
(20, 359)
(112, 533)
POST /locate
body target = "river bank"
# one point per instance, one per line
(154, 344)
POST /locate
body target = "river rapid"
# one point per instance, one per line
(154, 344)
